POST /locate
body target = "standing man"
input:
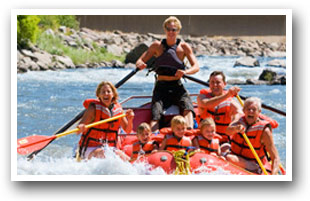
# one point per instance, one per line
(259, 133)
(169, 67)
(219, 104)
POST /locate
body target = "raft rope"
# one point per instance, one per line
(181, 158)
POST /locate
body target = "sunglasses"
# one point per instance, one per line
(173, 29)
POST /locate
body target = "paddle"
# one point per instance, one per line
(263, 105)
(280, 165)
(33, 143)
(79, 115)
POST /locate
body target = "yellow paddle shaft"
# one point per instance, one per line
(250, 144)
(91, 125)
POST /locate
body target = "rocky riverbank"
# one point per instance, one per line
(133, 45)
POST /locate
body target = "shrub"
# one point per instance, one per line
(27, 29)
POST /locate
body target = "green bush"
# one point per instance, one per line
(27, 29)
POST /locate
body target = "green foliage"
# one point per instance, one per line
(27, 29)
(55, 45)
(55, 21)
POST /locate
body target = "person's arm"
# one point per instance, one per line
(267, 140)
(235, 112)
(87, 118)
(147, 55)
(192, 60)
(209, 103)
(235, 128)
(127, 122)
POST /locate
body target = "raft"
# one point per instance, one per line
(197, 162)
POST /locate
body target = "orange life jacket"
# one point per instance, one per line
(103, 133)
(220, 115)
(175, 144)
(147, 148)
(274, 124)
(208, 146)
(254, 132)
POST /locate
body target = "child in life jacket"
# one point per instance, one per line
(176, 140)
(144, 145)
(207, 140)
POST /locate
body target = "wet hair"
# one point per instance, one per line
(254, 100)
(215, 73)
(115, 94)
(178, 120)
(142, 127)
(206, 122)
(172, 19)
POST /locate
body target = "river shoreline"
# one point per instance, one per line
(245, 48)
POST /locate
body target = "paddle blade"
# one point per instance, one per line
(33, 143)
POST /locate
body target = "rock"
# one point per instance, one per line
(235, 82)
(135, 53)
(268, 75)
(130, 65)
(246, 61)
(43, 57)
(22, 68)
(63, 29)
(277, 63)
(65, 60)
(256, 82)
(270, 53)
(117, 64)
(49, 32)
(115, 49)
(42, 66)
(81, 66)
(27, 53)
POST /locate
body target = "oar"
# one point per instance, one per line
(33, 143)
(79, 115)
(263, 105)
(280, 165)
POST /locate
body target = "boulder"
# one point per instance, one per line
(246, 61)
(115, 49)
(65, 60)
(27, 53)
(235, 82)
(44, 57)
(135, 53)
(268, 75)
(277, 63)
(117, 64)
(256, 82)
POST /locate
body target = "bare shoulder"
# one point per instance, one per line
(185, 46)
(156, 44)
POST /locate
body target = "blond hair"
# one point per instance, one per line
(172, 19)
(178, 120)
(114, 91)
(206, 122)
(142, 127)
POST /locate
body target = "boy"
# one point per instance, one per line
(207, 140)
(175, 139)
(144, 145)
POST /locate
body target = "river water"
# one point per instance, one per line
(47, 100)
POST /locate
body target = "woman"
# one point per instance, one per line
(106, 106)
